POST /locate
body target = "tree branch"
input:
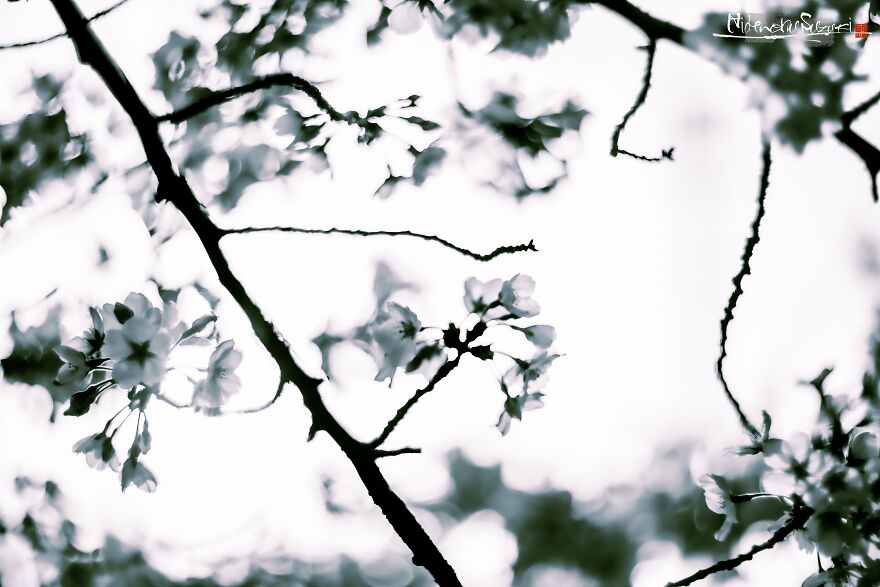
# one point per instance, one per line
(656, 29)
(867, 152)
(407, 450)
(798, 520)
(850, 116)
(63, 34)
(274, 80)
(530, 246)
(266, 405)
(745, 269)
(651, 49)
(176, 190)
(444, 370)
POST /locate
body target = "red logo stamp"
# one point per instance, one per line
(862, 30)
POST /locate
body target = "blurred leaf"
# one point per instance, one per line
(38, 147)
(33, 360)
(529, 134)
(81, 401)
(522, 26)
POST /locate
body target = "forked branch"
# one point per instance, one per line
(175, 189)
(401, 413)
(656, 30)
(263, 83)
(651, 50)
(63, 34)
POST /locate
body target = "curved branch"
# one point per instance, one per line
(656, 29)
(745, 269)
(444, 370)
(266, 405)
(63, 34)
(176, 190)
(798, 521)
(530, 246)
(274, 80)
(651, 49)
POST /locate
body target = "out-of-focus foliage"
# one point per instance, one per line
(529, 134)
(522, 26)
(522, 139)
(55, 555)
(598, 540)
(807, 78)
(33, 360)
(38, 147)
(284, 26)
(527, 27)
(595, 540)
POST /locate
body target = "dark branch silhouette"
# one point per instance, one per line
(63, 34)
(266, 405)
(651, 50)
(407, 450)
(530, 246)
(175, 189)
(275, 80)
(850, 116)
(441, 373)
(745, 269)
(868, 153)
(656, 29)
(798, 520)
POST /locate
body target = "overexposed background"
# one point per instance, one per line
(634, 270)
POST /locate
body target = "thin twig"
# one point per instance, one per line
(171, 402)
(530, 246)
(266, 405)
(444, 370)
(850, 116)
(63, 34)
(656, 29)
(798, 520)
(407, 450)
(651, 49)
(177, 191)
(745, 269)
(274, 80)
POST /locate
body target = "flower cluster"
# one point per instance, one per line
(129, 346)
(829, 484)
(398, 341)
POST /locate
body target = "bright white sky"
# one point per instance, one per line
(634, 269)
